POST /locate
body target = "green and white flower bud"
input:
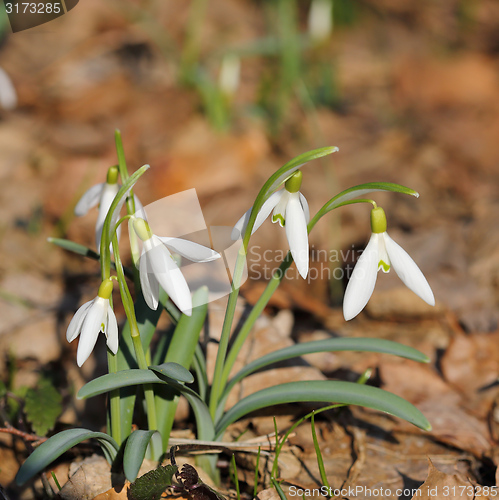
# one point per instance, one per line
(106, 289)
(112, 175)
(378, 220)
(293, 184)
(142, 229)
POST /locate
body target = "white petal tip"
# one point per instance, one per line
(348, 317)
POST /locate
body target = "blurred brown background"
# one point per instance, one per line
(408, 91)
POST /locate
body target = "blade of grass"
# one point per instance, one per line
(320, 461)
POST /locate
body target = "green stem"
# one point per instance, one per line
(216, 388)
(253, 316)
(262, 302)
(292, 428)
(114, 401)
(128, 305)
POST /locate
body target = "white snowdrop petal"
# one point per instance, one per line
(190, 250)
(74, 326)
(408, 271)
(306, 209)
(148, 283)
(361, 284)
(296, 232)
(90, 199)
(264, 212)
(279, 213)
(169, 275)
(91, 328)
(112, 331)
(108, 193)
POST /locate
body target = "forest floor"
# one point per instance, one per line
(417, 104)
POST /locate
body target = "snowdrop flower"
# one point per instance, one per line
(382, 253)
(290, 211)
(103, 195)
(90, 319)
(157, 266)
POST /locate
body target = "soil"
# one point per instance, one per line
(415, 101)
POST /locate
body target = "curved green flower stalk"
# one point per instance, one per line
(272, 184)
(346, 197)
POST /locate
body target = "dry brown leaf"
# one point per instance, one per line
(113, 494)
(441, 405)
(441, 486)
(471, 364)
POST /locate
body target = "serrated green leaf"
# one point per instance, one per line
(42, 407)
(150, 486)
(54, 447)
(357, 191)
(325, 391)
(135, 451)
(174, 371)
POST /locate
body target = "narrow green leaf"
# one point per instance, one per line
(279, 178)
(186, 335)
(124, 378)
(204, 424)
(42, 407)
(54, 447)
(174, 371)
(363, 344)
(182, 347)
(78, 249)
(318, 454)
(71, 246)
(150, 486)
(135, 451)
(325, 391)
(355, 192)
(278, 488)
(147, 320)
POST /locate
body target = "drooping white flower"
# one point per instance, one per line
(290, 210)
(382, 253)
(92, 318)
(103, 195)
(158, 267)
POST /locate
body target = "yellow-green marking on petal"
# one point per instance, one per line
(384, 266)
(279, 218)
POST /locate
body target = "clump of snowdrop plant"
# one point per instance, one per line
(165, 372)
